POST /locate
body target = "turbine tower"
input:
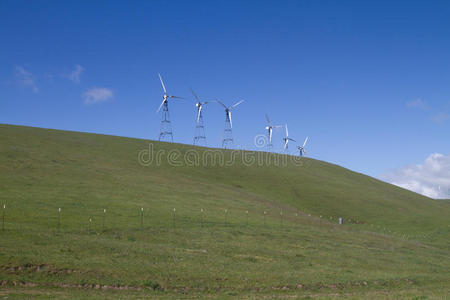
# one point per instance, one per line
(227, 134)
(269, 129)
(166, 127)
(199, 127)
(287, 139)
(302, 148)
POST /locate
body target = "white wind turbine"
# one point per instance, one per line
(166, 127)
(269, 129)
(228, 111)
(166, 97)
(228, 137)
(287, 139)
(199, 104)
(199, 127)
(302, 148)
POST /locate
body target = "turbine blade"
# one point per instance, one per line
(162, 83)
(176, 97)
(270, 135)
(231, 122)
(287, 132)
(218, 101)
(267, 118)
(236, 104)
(285, 143)
(304, 143)
(199, 112)
(195, 95)
(160, 106)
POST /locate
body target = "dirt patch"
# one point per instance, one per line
(31, 268)
(153, 286)
(70, 285)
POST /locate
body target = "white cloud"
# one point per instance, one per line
(25, 78)
(75, 74)
(97, 95)
(432, 178)
(418, 103)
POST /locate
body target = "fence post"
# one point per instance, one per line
(103, 221)
(201, 217)
(246, 212)
(3, 217)
(142, 217)
(174, 211)
(59, 218)
(264, 218)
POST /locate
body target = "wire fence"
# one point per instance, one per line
(105, 220)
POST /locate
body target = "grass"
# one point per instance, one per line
(393, 244)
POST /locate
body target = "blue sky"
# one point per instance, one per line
(367, 81)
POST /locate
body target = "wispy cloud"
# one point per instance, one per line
(418, 103)
(432, 178)
(440, 117)
(48, 77)
(25, 78)
(97, 95)
(436, 116)
(76, 74)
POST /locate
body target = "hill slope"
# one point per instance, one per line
(391, 238)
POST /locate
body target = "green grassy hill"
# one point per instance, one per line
(393, 243)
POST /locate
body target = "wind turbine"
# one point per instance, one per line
(302, 148)
(228, 136)
(287, 139)
(165, 127)
(269, 129)
(199, 127)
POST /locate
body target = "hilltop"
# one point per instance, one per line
(392, 240)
